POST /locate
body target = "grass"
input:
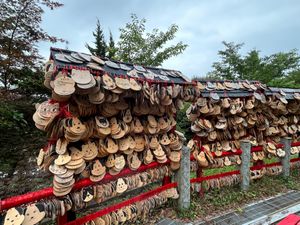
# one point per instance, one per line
(217, 201)
(208, 172)
(225, 169)
(232, 198)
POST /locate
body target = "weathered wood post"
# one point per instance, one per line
(285, 161)
(183, 180)
(245, 166)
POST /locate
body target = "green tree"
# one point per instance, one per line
(292, 80)
(111, 49)
(280, 69)
(183, 124)
(230, 64)
(100, 44)
(279, 65)
(149, 49)
(20, 31)
(209, 76)
(29, 83)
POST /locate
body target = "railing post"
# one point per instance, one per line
(69, 216)
(60, 220)
(200, 185)
(245, 166)
(285, 161)
(166, 180)
(183, 180)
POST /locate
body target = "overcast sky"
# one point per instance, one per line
(267, 25)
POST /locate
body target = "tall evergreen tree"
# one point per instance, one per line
(111, 49)
(100, 45)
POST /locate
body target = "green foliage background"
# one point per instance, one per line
(137, 46)
(280, 69)
(183, 125)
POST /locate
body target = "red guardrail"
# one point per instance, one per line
(258, 167)
(239, 151)
(48, 192)
(146, 195)
(230, 153)
(200, 179)
(115, 207)
(219, 175)
(294, 144)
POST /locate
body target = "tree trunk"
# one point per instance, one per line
(5, 81)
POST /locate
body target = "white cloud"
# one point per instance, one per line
(269, 25)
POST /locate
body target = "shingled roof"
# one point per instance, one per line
(66, 59)
(238, 92)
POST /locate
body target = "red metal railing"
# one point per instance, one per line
(117, 206)
(48, 192)
(203, 178)
(230, 173)
(146, 195)
(294, 144)
(239, 151)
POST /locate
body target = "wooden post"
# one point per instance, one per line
(183, 180)
(245, 166)
(285, 161)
